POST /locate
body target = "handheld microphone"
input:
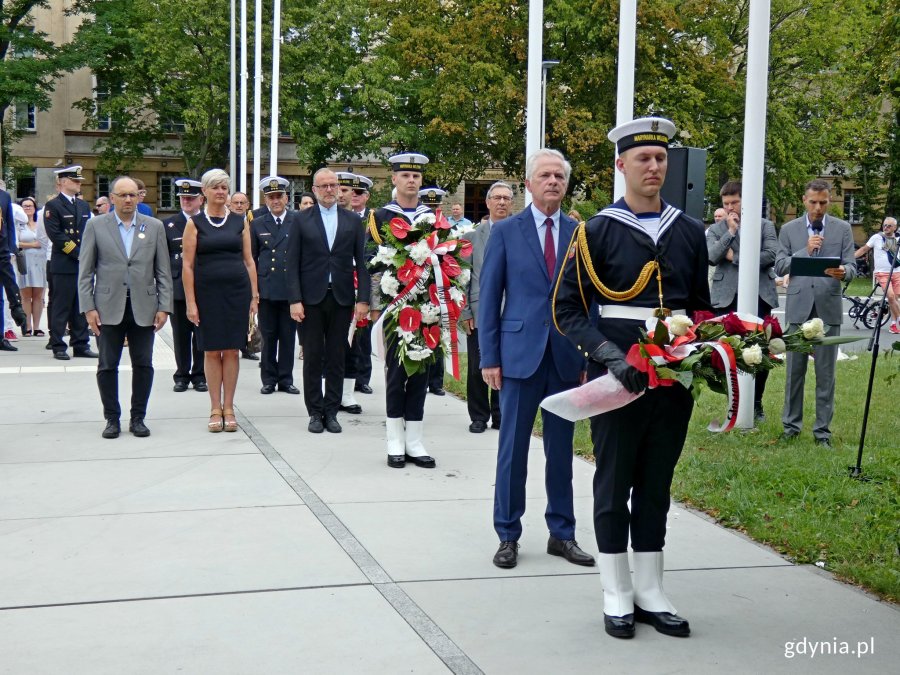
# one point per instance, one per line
(816, 226)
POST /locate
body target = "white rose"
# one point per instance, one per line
(752, 356)
(679, 324)
(777, 346)
(419, 252)
(389, 285)
(813, 329)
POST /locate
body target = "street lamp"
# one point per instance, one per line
(545, 66)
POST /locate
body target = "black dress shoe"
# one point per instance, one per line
(478, 427)
(61, 356)
(495, 425)
(437, 391)
(267, 389)
(332, 425)
(354, 409)
(201, 386)
(48, 346)
(6, 346)
(249, 356)
(788, 436)
(759, 415)
(363, 388)
(569, 550)
(396, 461)
(315, 425)
(619, 626)
(180, 387)
(288, 389)
(664, 622)
(86, 354)
(824, 443)
(137, 427)
(507, 556)
(423, 462)
(112, 429)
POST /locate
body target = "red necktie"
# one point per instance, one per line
(549, 248)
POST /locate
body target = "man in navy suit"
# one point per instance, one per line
(524, 356)
(7, 276)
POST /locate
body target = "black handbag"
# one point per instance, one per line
(20, 263)
(254, 337)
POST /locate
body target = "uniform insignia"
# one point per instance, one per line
(78, 171)
(171, 224)
(654, 126)
(141, 235)
(273, 184)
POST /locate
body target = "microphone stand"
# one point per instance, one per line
(874, 341)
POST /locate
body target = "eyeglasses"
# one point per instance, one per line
(327, 186)
(500, 198)
(125, 195)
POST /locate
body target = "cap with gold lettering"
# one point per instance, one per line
(642, 131)
(360, 182)
(432, 196)
(345, 178)
(272, 184)
(73, 172)
(408, 161)
(186, 187)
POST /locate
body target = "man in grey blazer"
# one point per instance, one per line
(814, 234)
(483, 402)
(723, 243)
(125, 291)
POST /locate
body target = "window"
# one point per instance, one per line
(102, 186)
(102, 92)
(167, 200)
(25, 116)
(296, 188)
(853, 206)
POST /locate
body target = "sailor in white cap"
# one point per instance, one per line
(432, 197)
(647, 259)
(65, 217)
(188, 356)
(346, 180)
(405, 395)
(360, 196)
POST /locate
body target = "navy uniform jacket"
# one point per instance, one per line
(619, 248)
(65, 223)
(174, 228)
(270, 250)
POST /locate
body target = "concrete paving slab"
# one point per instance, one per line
(329, 630)
(742, 621)
(44, 490)
(171, 438)
(70, 560)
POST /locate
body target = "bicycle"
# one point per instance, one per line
(864, 309)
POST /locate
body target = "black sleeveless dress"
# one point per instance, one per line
(221, 284)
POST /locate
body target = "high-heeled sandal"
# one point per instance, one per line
(215, 425)
(232, 425)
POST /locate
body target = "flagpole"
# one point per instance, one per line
(242, 166)
(257, 100)
(625, 77)
(533, 139)
(276, 86)
(232, 102)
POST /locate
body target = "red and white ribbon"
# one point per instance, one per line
(731, 380)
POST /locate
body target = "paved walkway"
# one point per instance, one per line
(273, 550)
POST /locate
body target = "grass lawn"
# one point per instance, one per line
(798, 497)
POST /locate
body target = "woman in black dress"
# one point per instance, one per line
(220, 291)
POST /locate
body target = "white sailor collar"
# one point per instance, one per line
(622, 214)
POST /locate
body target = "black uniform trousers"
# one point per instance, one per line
(364, 355)
(140, 349)
(64, 311)
(405, 394)
(636, 449)
(188, 357)
(763, 310)
(278, 339)
(325, 328)
(436, 372)
(482, 401)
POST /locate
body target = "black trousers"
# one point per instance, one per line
(436, 372)
(364, 355)
(278, 339)
(325, 328)
(636, 449)
(188, 357)
(482, 401)
(763, 310)
(405, 394)
(140, 349)
(64, 311)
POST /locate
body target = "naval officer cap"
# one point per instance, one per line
(345, 178)
(656, 131)
(186, 187)
(432, 196)
(361, 183)
(408, 161)
(73, 172)
(272, 184)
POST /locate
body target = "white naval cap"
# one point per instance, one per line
(345, 178)
(73, 172)
(432, 196)
(272, 184)
(642, 131)
(408, 161)
(361, 182)
(187, 187)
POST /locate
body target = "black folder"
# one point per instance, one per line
(812, 267)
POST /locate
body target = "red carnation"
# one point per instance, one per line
(399, 227)
(432, 335)
(702, 315)
(407, 272)
(409, 319)
(770, 322)
(449, 266)
(733, 325)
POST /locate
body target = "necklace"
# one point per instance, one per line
(210, 218)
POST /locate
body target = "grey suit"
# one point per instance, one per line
(809, 297)
(127, 291)
(725, 277)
